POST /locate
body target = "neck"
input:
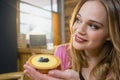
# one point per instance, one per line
(92, 57)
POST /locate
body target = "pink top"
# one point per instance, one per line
(61, 52)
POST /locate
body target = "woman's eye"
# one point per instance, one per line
(93, 26)
(78, 20)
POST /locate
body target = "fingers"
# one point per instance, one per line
(57, 73)
(36, 75)
(30, 72)
(52, 75)
(65, 75)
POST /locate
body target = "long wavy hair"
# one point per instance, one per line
(109, 59)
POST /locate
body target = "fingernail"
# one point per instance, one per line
(51, 72)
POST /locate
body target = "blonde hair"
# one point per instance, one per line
(109, 60)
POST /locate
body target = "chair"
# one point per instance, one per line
(12, 75)
(38, 41)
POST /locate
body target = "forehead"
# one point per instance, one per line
(93, 10)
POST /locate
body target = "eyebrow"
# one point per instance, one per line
(93, 21)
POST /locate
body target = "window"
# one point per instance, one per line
(36, 18)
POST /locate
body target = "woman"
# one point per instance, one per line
(94, 49)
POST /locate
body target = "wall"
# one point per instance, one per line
(8, 43)
(69, 6)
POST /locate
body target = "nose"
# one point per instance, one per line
(81, 29)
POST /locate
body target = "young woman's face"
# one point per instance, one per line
(90, 30)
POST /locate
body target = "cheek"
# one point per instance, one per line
(99, 37)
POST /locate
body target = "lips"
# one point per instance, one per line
(79, 39)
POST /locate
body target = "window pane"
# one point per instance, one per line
(54, 6)
(45, 4)
(35, 20)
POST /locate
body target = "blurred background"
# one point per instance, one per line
(29, 27)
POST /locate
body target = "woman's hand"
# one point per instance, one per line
(52, 75)
(65, 75)
(33, 74)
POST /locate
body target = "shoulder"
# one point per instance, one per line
(62, 52)
(62, 46)
(61, 49)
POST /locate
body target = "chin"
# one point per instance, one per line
(77, 46)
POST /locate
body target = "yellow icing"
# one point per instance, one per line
(53, 62)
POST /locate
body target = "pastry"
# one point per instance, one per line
(44, 62)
